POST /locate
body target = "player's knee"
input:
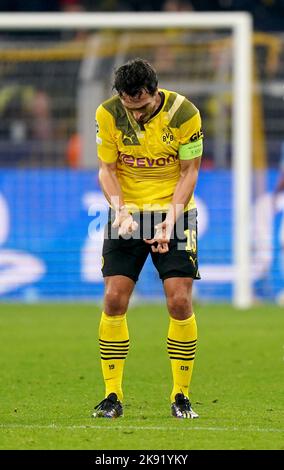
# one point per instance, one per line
(116, 302)
(179, 306)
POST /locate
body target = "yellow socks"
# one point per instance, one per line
(182, 338)
(114, 345)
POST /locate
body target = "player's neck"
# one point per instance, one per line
(159, 104)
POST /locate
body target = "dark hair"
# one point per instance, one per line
(134, 76)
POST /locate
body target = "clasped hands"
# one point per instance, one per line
(126, 225)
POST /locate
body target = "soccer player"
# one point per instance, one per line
(149, 148)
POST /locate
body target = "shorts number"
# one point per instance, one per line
(190, 240)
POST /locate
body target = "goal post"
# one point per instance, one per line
(240, 24)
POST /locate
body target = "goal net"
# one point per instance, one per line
(55, 71)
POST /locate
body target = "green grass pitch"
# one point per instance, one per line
(51, 379)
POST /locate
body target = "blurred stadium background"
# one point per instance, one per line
(51, 84)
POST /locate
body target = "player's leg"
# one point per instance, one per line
(178, 268)
(122, 263)
(114, 343)
(113, 332)
(182, 334)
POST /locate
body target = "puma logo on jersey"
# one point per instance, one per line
(130, 140)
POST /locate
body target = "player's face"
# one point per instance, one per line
(141, 106)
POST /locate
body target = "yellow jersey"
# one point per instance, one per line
(148, 156)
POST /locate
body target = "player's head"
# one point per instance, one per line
(134, 77)
(136, 83)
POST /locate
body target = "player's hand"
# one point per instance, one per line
(161, 240)
(124, 222)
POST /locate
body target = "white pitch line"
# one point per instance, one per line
(137, 428)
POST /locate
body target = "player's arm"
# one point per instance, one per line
(108, 153)
(184, 189)
(110, 184)
(183, 192)
(190, 152)
(113, 193)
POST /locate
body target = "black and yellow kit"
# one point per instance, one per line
(148, 169)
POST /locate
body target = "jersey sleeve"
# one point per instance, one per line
(191, 138)
(106, 145)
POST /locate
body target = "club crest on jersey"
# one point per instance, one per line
(167, 136)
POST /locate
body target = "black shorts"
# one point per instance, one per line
(126, 256)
